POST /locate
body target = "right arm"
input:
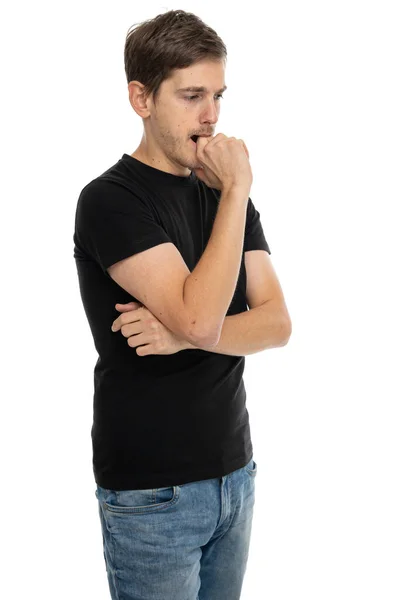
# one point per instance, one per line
(208, 290)
(192, 305)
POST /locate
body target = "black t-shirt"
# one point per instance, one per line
(158, 420)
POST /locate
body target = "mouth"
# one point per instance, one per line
(194, 138)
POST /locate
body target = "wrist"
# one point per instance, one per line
(237, 191)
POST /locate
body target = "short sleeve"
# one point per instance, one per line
(254, 238)
(113, 222)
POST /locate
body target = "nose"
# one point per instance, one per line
(210, 114)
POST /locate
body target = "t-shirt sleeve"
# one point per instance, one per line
(113, 223)
(254, 238)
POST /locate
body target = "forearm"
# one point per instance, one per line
(208, 290)
(249, 332)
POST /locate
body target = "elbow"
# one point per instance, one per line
(204, 337)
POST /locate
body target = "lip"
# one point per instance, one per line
(202, 135)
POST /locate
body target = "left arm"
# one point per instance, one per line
(254, 330)
(267, 324)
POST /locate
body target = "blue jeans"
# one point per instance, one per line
(183, 542)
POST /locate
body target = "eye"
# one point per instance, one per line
(219, 96)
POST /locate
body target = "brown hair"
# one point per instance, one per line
(172, 40)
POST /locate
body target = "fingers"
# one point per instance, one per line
(209, 141)
(129, 318)
(202, 142)
(128, 306)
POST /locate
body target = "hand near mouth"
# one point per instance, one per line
(222, 161)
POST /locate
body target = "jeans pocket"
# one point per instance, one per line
(140, 501)
(251, 468)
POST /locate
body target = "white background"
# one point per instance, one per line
(313, 89)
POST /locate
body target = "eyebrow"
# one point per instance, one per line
(200, 89)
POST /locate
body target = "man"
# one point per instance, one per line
(172, 227)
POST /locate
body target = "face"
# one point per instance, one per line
(180, 113)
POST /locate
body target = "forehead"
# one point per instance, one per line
(203, 76)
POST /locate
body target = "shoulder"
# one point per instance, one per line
(111, 192)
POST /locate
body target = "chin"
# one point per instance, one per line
(191, 163)
(187, 163)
